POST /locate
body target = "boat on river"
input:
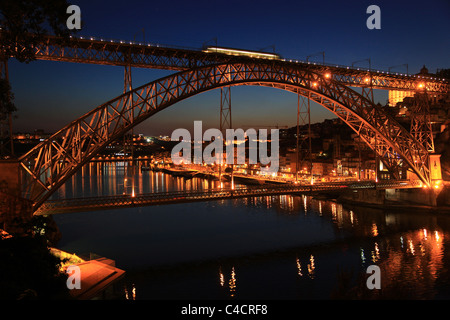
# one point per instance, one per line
(186, 173)
(248, 180)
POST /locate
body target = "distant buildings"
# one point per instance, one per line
(398, 96)
(336, 153)
(37, 135)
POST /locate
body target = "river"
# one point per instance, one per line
(276, 247)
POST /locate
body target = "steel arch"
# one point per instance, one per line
(48, 165)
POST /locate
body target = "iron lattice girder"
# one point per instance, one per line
(171, 58)
(303, 145)
(391, 141)
(52, 162)
(122, 53)
(225, 109)
(421, 127)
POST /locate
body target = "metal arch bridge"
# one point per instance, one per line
(161, 198)
(47, 166)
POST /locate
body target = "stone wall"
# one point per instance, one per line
(15, 212)
(368, 196)
(443, 198)
(427, 197)
(10, 177)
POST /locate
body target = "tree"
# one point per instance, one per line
(7, 108)
(6, 100)
(24, 23)
(443, 73)
(28, 269)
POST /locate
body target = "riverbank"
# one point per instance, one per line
(399, 199)
(226, 176)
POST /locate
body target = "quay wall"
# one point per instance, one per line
(397, 197)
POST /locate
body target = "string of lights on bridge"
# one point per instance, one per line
(143, 44)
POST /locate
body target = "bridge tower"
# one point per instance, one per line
(303, 141)
(422, 130)
(225, 121)
(225, 108)
(128, 143)
(367, 92)
(6, 141)
(421, 127)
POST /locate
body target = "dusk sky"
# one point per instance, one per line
(49, 95)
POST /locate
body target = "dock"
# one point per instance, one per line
(97, 276)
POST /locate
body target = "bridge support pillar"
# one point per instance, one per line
(303, 147)
(225, 108)
(435, 167)
(225, 120)
(15, 212)
(128, 138)
(421, 127)
(435, 176)
(10, 177)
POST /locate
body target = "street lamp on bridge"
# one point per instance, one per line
(322, 53)
(368, 59)
(400, 65)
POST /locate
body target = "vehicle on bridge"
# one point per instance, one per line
(243, 53)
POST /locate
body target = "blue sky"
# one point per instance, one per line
(49, 95)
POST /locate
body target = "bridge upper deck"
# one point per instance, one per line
(155, 56)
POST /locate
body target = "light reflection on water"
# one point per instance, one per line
(115, 178)
(272, 247)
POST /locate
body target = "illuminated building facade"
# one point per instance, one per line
(396, 96)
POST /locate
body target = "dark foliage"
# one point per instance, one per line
(443, 73)
(25, 22)
(30, 271)
(6, 99)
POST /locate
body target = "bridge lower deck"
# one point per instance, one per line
(160, 198)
